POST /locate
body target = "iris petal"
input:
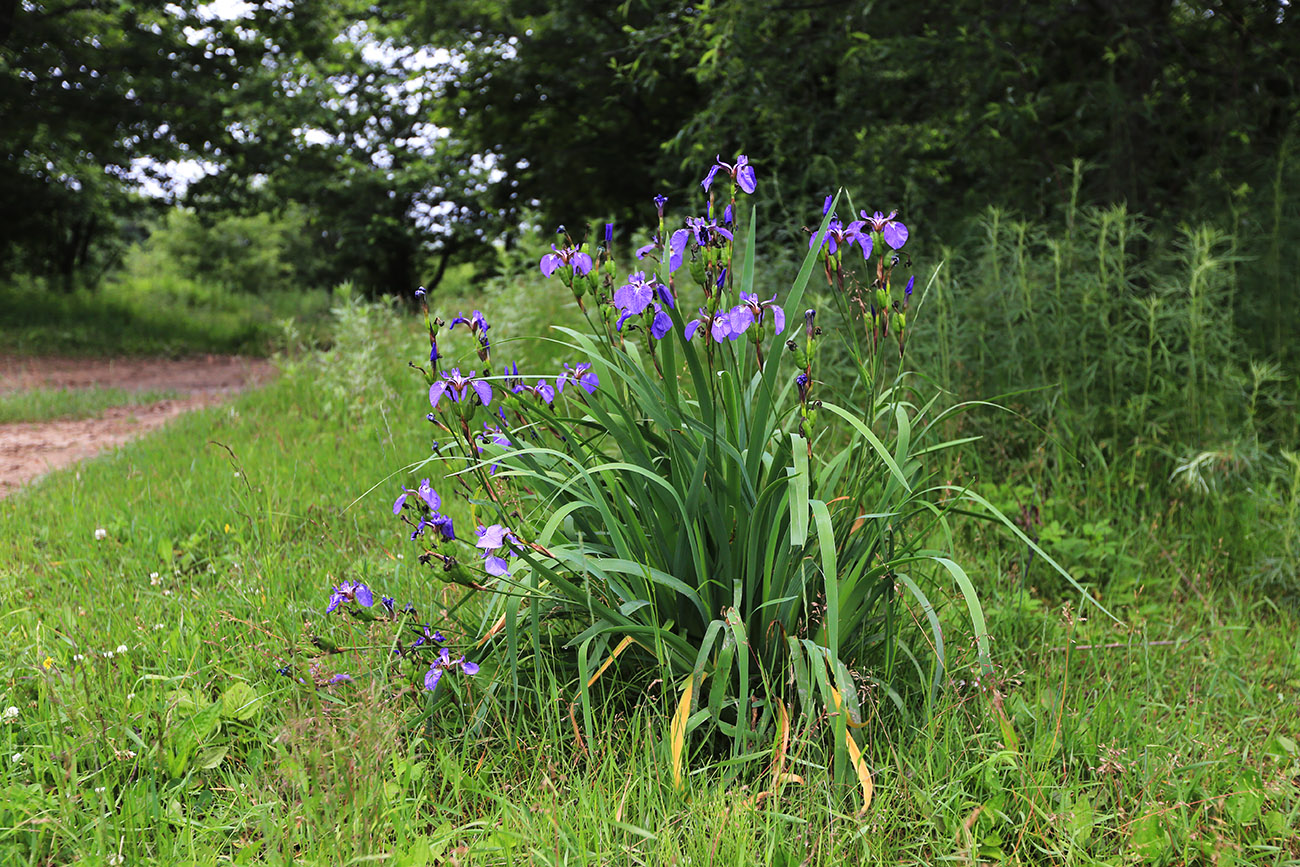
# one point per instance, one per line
(745, 177)
(895, 234)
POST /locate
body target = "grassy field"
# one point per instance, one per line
(150, 600)
(138, 318)
(43, 404)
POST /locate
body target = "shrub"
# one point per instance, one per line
(688, 503)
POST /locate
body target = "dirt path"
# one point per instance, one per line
(29, 450)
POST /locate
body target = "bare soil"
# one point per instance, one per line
(29, 450)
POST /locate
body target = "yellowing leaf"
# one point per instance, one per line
(622, 646)
(677, 730)
(855, 754)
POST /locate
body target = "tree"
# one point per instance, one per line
(87, 90)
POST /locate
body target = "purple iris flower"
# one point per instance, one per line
(751, 311)
(718, 326)
(494, 433)
(542, 390)
(581, 375)
(660, 324)
(907, 291)
(639, 293)
(704, 229)
(442, 523)
(742, 173)
(706, 233)
(676, 249)
(571, 257)
(895, 232)
(424, 492)
(443, 663)
(642, 252)
(839, 235)
(427, 636)
(340, 678)
(636, 294)
(490, 539)
(350, 592)
(475, 322)
(430, 497)
(660, 201)
(389, 603)
(439, 522)
(419, 293)
(609, 234)
(458, 387)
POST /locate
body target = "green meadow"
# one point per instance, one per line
(167, 671)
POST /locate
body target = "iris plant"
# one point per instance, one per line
(570, 257)
(894, 232)
(581, 375)
(751, 311)
(742, 173)
(349, 592)
(443, 663)
(490, 539)
(458, 388)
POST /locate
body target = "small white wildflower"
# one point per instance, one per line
(236, 473)
(157, 626)
(401, 556)
(154, 579)
(78, 657)
(11, 712)
(122, 648)
(130, 695)
(17, 758)
(99, 790)
(167, 592)
(108, 654)
(100, 533)
(115, 860)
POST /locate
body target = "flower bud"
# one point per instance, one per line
(800, 354)
(697, 271)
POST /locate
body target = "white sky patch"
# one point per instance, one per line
(417, 76)
(169, 179)
(228, 10)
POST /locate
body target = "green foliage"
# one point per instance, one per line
(250, 255)
(1113, 723)
(699, 520)
(152, 308)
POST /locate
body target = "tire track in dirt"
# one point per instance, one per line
(28, 450)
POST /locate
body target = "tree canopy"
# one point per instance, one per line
(414, 134)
